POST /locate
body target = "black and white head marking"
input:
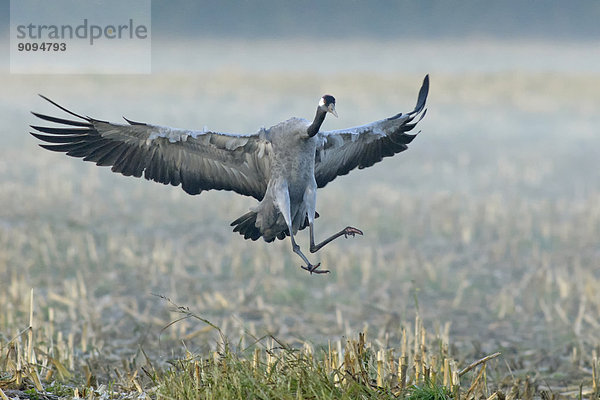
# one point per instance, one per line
(327, 104)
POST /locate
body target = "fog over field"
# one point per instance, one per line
(488, 226)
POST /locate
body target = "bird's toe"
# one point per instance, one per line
(313, 269)
(351, 231)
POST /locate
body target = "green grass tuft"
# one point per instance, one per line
(428, 391)
(284, 374)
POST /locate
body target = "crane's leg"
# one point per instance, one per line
(283, 203)
(347, 231)
(309, 267)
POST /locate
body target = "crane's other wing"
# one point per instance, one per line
(198, 160)
(340, 151)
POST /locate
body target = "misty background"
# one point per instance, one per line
(487, 226)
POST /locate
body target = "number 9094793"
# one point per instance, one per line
(44, 46)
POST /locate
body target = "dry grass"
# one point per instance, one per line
(487, 229)
(267, 368)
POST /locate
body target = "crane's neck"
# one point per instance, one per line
(313, 129)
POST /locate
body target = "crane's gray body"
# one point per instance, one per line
(292, 189)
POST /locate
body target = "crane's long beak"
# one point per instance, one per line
(331, 109)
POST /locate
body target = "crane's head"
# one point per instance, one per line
(327, 104)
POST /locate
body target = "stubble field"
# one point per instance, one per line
(487, 228)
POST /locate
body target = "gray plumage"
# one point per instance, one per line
(281, 167)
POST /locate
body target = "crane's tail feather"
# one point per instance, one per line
(246, 226)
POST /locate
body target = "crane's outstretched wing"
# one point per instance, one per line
(198, 160)
(339, 152)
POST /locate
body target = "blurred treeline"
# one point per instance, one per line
(432, 19)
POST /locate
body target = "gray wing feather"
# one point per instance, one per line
(198, 160)
(341, 151)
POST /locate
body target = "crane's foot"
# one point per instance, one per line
(351, 231)
(313, 269)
